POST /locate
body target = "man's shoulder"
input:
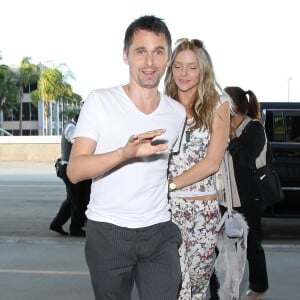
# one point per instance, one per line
(174, 104)
(105, 91)
(106, 96)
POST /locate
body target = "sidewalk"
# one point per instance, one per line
(26, 167)
(24, 170)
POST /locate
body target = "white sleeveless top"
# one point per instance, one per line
(193, 148)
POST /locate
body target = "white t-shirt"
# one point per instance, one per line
(133, 194)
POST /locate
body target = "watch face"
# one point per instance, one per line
(172, 186)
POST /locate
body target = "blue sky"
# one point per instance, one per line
(253, 43)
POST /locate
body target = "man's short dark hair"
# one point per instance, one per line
(148, 23)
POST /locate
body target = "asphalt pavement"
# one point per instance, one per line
(36, 263)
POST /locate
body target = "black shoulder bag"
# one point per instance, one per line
(267, 179)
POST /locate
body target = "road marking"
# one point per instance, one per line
(44, 272)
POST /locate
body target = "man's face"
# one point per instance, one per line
(147, 58)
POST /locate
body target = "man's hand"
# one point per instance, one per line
(141, 144)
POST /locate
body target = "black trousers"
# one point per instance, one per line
(75, 204)
(258, 276)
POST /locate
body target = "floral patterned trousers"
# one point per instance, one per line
(197, 221)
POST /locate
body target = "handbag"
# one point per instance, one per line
(269, 187)
(232, 222)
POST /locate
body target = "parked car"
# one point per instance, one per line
(282, 125)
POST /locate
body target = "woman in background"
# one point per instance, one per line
(247, 141)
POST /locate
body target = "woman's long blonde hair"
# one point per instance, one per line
(208, 92)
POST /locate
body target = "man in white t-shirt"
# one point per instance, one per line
(123, 139)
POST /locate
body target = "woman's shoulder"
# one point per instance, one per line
(223, 99)
(255, 128)
(255, 123)
(249, 125)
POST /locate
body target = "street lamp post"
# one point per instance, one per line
(289, 79)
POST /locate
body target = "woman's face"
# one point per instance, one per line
(186, 71)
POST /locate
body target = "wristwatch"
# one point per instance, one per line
(172, 185)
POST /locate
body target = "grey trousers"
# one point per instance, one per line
(118, 256)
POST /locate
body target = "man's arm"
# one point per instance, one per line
(84, 164)
(69, 132)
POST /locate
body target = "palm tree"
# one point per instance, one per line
(9, 90)
(52, 86)
(28, 74)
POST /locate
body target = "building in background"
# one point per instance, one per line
(31, 116)
(33, 120)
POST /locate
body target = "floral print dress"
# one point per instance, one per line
(196, 219)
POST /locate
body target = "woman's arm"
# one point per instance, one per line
(215, 152)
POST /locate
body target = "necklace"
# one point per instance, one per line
(189, 124)
(190, 121)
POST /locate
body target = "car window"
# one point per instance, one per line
(293, 127)
(282, 125)
(278, 133)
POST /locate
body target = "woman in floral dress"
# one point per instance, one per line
(190, 80)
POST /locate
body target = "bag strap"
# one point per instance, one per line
(228, 192)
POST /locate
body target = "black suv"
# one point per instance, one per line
(282, 125)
